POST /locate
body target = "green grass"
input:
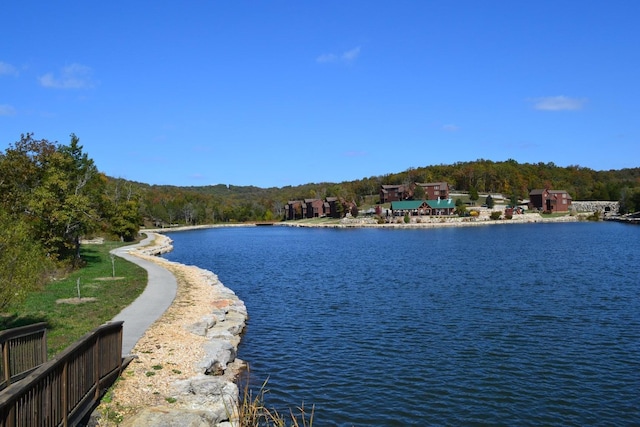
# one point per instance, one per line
(68, 322)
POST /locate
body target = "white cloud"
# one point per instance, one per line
(8, 69)
(347, 56)
(327, 57)
(351, 55)
(74, 76)
(7, 110)
(559, 103)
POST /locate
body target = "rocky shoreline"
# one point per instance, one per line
(483, 219)
(186, 368)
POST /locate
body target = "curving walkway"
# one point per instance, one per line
(153, 301)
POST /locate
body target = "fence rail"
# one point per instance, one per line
(23, 350)
(63, 391)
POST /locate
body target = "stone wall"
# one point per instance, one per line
(608, 207)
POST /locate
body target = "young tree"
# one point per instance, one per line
(514, 200)
(473, 195)
(489, 201)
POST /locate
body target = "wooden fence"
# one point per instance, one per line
(63, 391)
(23, 350)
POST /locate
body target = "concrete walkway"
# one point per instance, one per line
(152, 302)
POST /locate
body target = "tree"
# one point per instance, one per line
(23, 263)
(57, 190)
(67, 201)
(418, 193)
(473, 195)
(122, 209)
(489, 201)
(514, 200)
(630, 201)
(22, 168)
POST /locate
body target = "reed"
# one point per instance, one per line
(252, 411)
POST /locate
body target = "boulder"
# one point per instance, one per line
(218, 353)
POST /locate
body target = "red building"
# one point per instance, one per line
(313, 208)
(549, 200)
(393, 193)
(435, 190)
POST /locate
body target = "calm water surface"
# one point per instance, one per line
(534, 324)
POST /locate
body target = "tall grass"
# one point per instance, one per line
(254, 413)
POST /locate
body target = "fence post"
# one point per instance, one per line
(65, 393)
(44, 346)
(5, 362)
(97, 366)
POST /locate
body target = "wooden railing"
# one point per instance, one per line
(64, 390)
(23, 349)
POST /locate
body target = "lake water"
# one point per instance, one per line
(533, 324)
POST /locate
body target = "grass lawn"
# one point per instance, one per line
(102, 296)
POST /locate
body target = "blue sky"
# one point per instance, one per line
(276, 93)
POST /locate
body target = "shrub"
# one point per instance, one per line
(474, 213)
(495, 215)
(508, 216)
(407, 220)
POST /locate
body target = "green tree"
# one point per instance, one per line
(121, 208)
(514, 200)
(630, 201)
(55, 189)
(23, 264)
(473, 195)
(489, 201)
(67, 201)
(22, 168)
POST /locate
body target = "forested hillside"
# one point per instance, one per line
(162, 205)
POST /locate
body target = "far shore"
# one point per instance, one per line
(397, 223)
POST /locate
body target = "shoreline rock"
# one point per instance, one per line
(186, 367)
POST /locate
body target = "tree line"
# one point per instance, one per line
(164, 205)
